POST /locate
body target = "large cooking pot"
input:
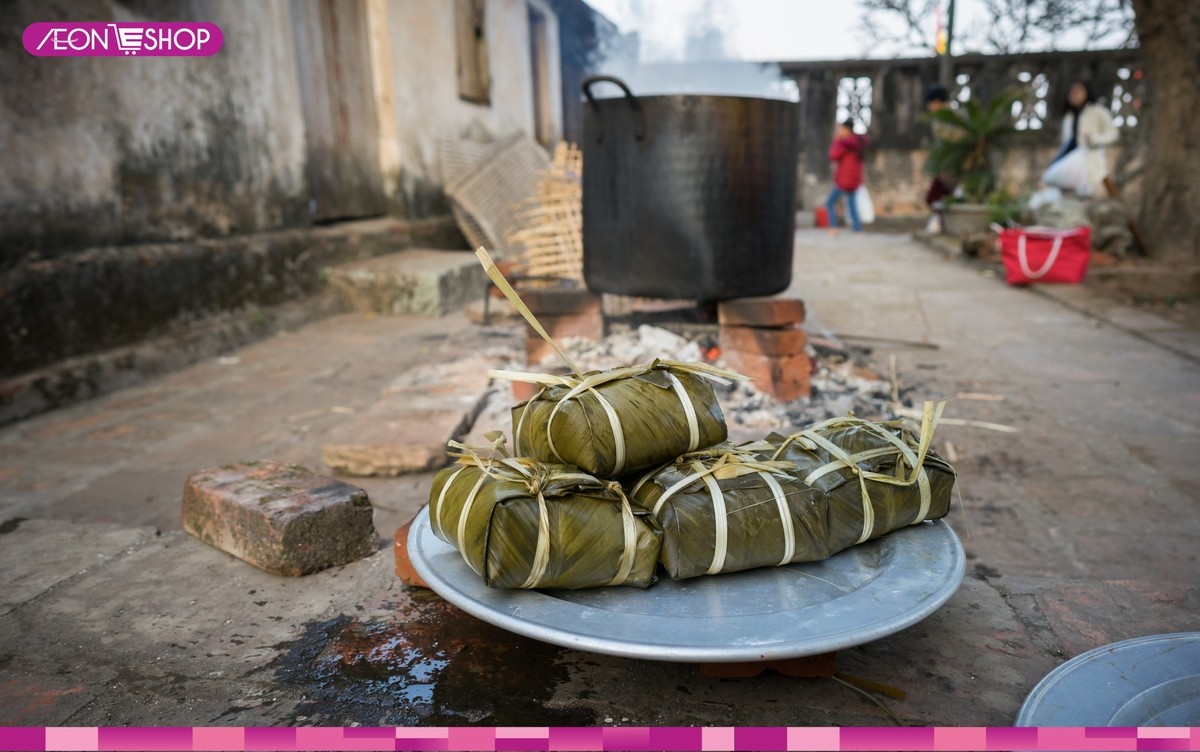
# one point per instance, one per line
(689, 197)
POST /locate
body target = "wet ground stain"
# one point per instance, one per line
(429, 664)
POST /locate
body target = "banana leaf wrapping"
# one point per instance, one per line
(522, 524)
(616, 422)
(878, 477)
(725, 509)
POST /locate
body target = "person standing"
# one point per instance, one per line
(1082, 160)
(846, 153)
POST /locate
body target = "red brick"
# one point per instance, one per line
(524, 390)
(586, 325)
(752, 339)
(557, 302)
(404, 567)
(761, 312)
(784, 377)
(279, 517)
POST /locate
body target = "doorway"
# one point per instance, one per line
(341, 127)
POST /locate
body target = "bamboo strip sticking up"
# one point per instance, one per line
(489, 268)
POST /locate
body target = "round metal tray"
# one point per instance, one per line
(1146, 681)
(864, 593)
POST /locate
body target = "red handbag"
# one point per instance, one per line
(821, 217)
(1044, 254)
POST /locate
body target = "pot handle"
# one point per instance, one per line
(639, 126)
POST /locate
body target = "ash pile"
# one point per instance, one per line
(841, 382)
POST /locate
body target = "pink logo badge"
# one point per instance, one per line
(123, 39)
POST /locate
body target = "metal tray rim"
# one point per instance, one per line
(1035, 703)
(467, 592)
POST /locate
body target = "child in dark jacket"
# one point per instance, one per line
(847, 152)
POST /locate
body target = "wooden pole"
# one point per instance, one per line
(946, 63)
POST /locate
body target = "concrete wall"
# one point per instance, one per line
(900, 138)
(425, 103)
(897, 179)
(99, 151)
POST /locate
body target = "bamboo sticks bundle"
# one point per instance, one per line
(550, 223)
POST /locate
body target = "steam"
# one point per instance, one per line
(702, 64)
(704, 39)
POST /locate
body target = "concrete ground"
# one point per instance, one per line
(1081, 529)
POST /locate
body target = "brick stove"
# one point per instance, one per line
(763, 338)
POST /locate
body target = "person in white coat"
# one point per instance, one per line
(1088, 130)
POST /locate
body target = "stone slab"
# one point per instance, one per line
(416, 281)
(281, 518)
(394, 438)
(37, 555)
(407, 429)
(461, 380)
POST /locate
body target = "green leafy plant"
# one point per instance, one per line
(966, 141)
(1005, 207)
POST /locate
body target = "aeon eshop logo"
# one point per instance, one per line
(123, 38)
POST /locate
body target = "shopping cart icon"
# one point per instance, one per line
(129, 38)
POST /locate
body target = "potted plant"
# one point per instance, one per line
(1005, 207)
(966, 141)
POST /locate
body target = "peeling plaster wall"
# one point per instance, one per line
(101, 151)
(427, 107)
(112, 151)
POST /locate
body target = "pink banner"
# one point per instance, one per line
(490, 739)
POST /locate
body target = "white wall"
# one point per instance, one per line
(421, 62)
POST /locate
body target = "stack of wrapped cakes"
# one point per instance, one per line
(613, 473)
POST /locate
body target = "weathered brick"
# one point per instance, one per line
(761, 312)
(753, 339)
(279, 517)
(784, 377)
(586, 325)
(404, 567)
